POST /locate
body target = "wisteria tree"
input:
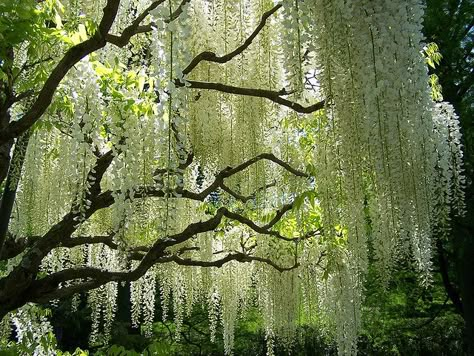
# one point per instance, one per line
(231, 153)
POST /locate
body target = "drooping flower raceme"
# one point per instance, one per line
(380, 128)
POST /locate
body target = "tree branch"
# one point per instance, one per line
(97, 173)
(466, 84)
(83, 240)
(63, 230)
(212, 57)
(451, 290)
(95, 277)
(72, 56)
(21, 96)
(48, 287)
(275, 96)
(267, 156)
(135, 28)
(11, 185)
(240, 197)
(13, 247)
(233, 256)
(182, 166)
(179, 10)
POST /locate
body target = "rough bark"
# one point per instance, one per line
(5, 159)
(11, 185)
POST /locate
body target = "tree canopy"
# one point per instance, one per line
(226, 153)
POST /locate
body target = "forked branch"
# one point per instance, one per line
(135, 28)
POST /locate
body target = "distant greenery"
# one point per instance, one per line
(406, 319)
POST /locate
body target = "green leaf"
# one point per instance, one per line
(141, 82)
(82, 32)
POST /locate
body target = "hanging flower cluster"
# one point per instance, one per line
(378, 140)
(226, 129)
(142, 297)
(292, 43)
(231, 290)
(382, 156)
(102, 312)
(449, 191)
(33, 330)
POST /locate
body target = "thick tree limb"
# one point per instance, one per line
(275, 96)
(13, 247)
(11, 185)
(63, 230)
(95, 277)
(156, 254)
(86, 240)
(6, 90)
(5, 159)
(72, 56)
(44, 289)
(95, 176)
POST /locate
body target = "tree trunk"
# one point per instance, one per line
(5, 160)
(464, 245)
(463, 262)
